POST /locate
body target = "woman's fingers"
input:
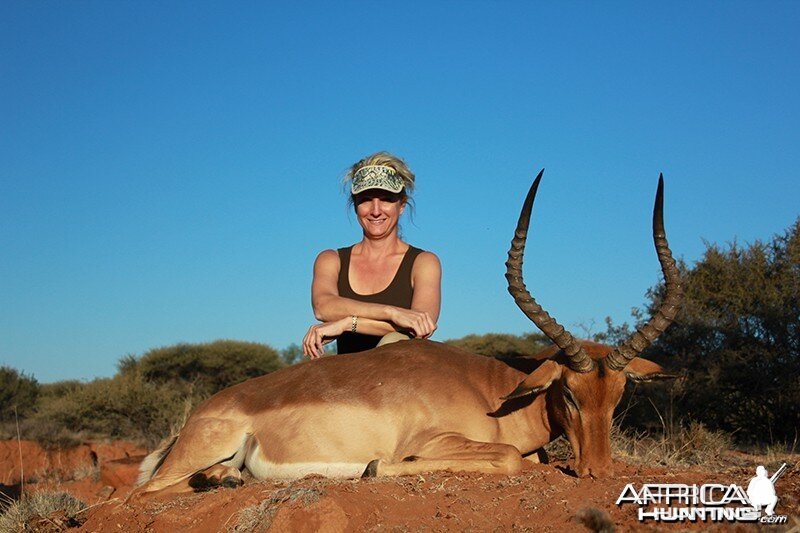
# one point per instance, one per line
(429, 325)
(307, 344)
(312, 342)
(318, 336)
(419, 322)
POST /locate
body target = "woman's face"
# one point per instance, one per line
(378, 212)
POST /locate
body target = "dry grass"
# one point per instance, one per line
(685, 446)
(38, 511)
(777, 454)
(258, 518)
(90, 471)
(59, 474)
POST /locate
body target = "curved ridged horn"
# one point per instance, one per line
(644, 336)
(579, 361)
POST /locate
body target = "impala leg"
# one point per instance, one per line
(454, 453)
(209, 452)
(538, 457)
(393, 336)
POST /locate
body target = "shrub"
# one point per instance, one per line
(125, 406)
(737, 339)
(144, 402)
(501, 344)
(18, 394)
(209, 367)
(59, 389)
(292, 354)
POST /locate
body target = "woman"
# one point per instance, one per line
(380, 289)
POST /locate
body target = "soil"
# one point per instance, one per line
(541, 498)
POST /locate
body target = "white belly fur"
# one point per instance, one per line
(263, 469)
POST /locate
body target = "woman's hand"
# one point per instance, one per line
(321, 334)
(418, 322)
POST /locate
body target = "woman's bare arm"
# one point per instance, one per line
(426, 281)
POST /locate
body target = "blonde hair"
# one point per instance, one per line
(388, 160)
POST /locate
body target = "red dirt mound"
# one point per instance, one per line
(542, 498)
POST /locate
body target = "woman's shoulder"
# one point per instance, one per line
(328, 254)
(427, 261)
(328, 258)
(425, 255)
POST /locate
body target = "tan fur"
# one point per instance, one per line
(153, 461)
(404, 408)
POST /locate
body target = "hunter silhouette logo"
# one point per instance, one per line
(761, 490)
(676, 502)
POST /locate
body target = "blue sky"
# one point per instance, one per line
(169, 171)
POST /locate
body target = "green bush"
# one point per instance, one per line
(18, 394)
(209, 367)
(59, 389)
(144, 402)
(736, 340)
(502, 344)
(292, 354)
(125, 406)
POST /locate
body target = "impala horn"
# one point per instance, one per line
(644, 336)
(579, 360)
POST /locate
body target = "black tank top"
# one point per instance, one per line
(398, 294)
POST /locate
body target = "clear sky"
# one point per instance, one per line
(169, 170)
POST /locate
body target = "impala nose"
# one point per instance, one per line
(594, 471)
(599, 472)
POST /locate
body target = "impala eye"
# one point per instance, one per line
(570, 398)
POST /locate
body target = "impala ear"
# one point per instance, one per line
(643, 371)
(538, 380)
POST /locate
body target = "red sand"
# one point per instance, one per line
(542, 498)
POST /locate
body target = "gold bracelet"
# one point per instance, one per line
(355, 323)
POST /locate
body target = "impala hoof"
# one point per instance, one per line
(232, 482)
(372, 469)
(201, 482)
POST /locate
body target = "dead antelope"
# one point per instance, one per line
(417, 406)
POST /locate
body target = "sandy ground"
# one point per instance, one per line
(541, 498)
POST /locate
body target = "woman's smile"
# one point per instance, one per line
(378, 213)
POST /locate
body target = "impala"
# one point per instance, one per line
(418, 405)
